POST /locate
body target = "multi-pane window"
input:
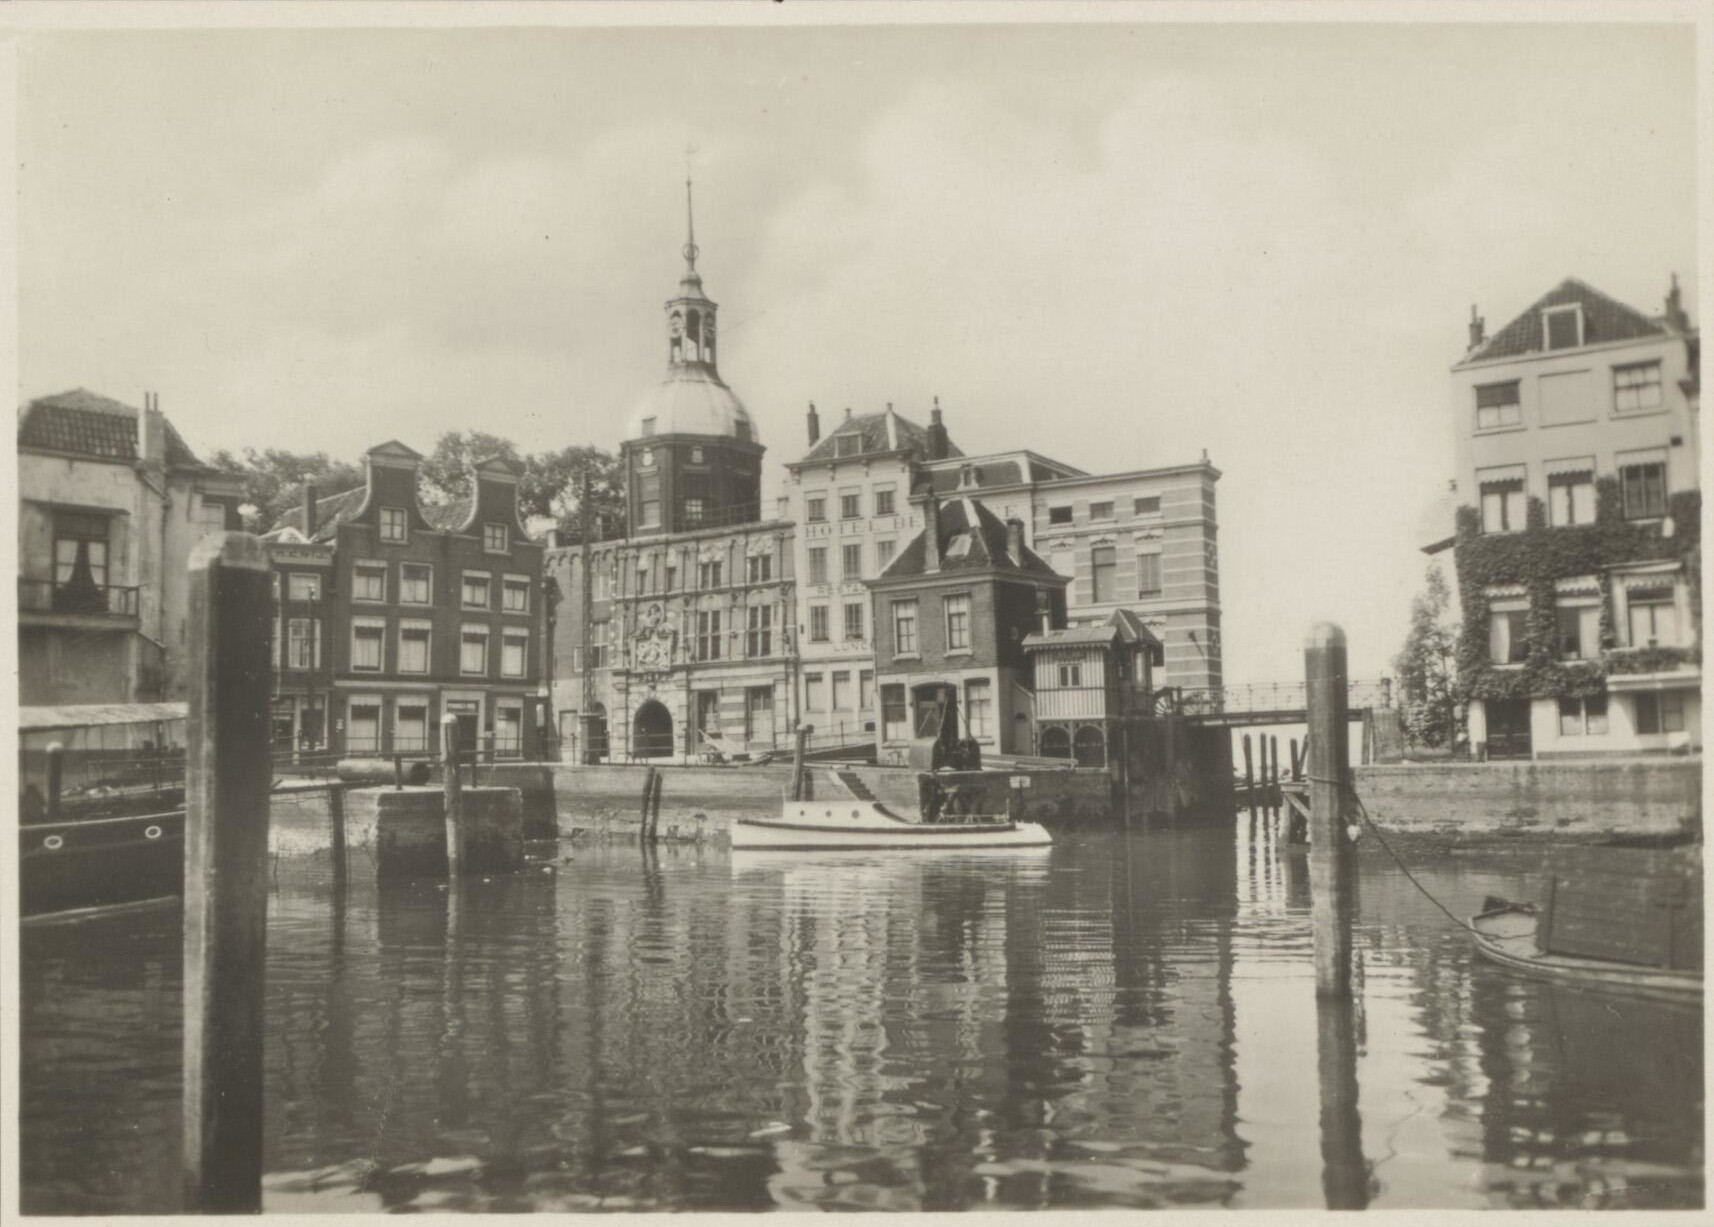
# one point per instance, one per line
(759, 632)
(979, 707)
(1577, 630)
(866, 690)
(1508, 636)
(475, 593)
(416, 583)
(1585, 717)
(1101, 511)
(884, 502)
(895, 716)
(1571, 496)
(1059, 515)
(853, 620)
(904, 626)
(708, 634)
(884, 553)
(1497, 405)
(598, 645)
(841, 696)
(815, 508)
(1642, 484)
(303, 643)
(473, 650)
(514, 651)
(851, 561)
(367, 635)
(303, 586)
(1148, 574)
(814, 692)
(649, 500)
(818, 624)
(1148, 505)
(957, 622)
(363, 726)
(1104, 573)
(515, 594)
(1502, 494)
(414, 646)
(369, 582)
(672, 578)
(1653, 617)
(759, 568)
(80, 550)
(818, 565)
(850, 505)
(410, 727)
(494, 538)
(509, 728)
(392, 524)
(1659, 713)
(1070, 675)
(848, 445)
(1636, 388)
(695, 510)
(710, 573)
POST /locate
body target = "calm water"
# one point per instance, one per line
(1121, 1021)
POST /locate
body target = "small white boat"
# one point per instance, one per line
(850, 821)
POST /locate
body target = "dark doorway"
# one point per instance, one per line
(468, 712)
(936, 713)
(1508, 728)
(1089, 747)
(652, 731)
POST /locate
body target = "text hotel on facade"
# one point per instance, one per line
(1578, 549)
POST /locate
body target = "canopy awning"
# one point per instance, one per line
(89, 715)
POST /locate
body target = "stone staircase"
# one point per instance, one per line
(853, 785)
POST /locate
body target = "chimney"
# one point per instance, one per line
(152, 432)
(814, 425)
(1477, 328)
(931, 530)
(1044, 610)
(1676, 317)
(1015, 541)
(938, 445)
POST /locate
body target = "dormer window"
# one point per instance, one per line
(847, 445)
(648, 427)
(494, 538)
(696, 455)
(393, 524)
(1563, 326)
(959, 547)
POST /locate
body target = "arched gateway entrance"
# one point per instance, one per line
(652, 731)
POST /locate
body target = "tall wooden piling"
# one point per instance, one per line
(1296, 766)
(1344, 1170)
(56, 779)
(1249, 781)
(798, 748)
(1332, 865)
(453, 786)
(336, 832)
(228, 773)
(1276, 798)
(643, 810)
(655, 807)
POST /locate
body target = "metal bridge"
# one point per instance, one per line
(1268, 702)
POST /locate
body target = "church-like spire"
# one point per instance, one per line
(690, 316)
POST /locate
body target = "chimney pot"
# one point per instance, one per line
(310, 524)
(814, 425)
(1477, 328)
(1015, 541)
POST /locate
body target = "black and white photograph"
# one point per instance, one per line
(794, 607)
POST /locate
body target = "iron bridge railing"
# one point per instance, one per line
(1266, 697)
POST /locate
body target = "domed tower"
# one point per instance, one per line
(690, 450)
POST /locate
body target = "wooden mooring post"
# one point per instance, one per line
(1275, 801)
(643, 811)
(798, 768)
(1332, 865)
(1249, 781)
(228, 774)
(453, 793)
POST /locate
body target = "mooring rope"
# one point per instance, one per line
(1347, 788)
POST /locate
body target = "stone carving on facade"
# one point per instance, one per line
(653, 641)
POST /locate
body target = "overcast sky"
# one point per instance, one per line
(1117, 246)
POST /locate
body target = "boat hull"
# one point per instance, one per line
(1506, 935)
(853, 824)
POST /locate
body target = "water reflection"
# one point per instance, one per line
(1121, 1021)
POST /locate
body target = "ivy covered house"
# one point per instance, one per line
(1577, 545)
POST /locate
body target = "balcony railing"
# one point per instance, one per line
(71, 597)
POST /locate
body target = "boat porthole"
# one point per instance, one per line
(53, 843)
(152, 832)
(856, 813)
(830, 813)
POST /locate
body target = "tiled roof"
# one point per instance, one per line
(1121, 624)
(873, 429)
(84, 423)
(965, 518)
(330, 511)
(450, 515)
(1604, 319)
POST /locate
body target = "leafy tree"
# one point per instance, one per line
(1427, 669)
(445, 475)
(552, 482)
(274, 477)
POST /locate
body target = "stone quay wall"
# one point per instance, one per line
(1556, 798)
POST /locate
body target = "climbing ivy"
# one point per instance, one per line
(1538, 556)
